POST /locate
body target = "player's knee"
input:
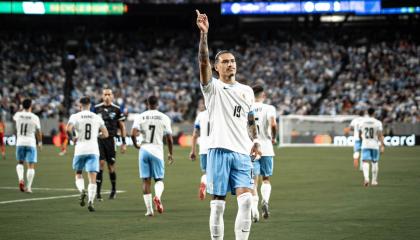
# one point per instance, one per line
(356, 155)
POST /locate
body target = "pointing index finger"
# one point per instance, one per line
(198, 12)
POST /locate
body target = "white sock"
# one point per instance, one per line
(159, 187)
(366, 171)
(80, 184)
(255, 199)
(148, 202)
(92, 192)
(204, 179)
(375, 169)
(19, 170)
(265, 191)
(30, 174)
(243, 218)
(217, 225)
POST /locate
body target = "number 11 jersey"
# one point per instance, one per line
(86, 126)
(26, 125)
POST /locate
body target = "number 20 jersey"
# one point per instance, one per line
(228, 106)
(369, 129)
(26, 125)
(86, 126)
(153, 126)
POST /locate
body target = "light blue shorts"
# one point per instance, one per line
(87, 162)
(369, 154)
(263, 166)
(150, 166)
(227, 170)
(203, 162)
(357, 146)
(27, 154)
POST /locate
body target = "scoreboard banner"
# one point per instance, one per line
(62, 8)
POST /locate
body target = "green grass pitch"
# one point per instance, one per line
(316, 195)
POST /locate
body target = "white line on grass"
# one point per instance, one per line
(42, 189)
(46, 198)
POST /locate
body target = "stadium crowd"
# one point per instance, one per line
(296, 73)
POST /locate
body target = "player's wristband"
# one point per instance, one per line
(123, 140)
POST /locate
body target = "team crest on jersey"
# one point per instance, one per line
(112, 115)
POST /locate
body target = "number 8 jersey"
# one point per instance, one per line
(153, 126)
(26, 125)
(369, 129)
(228, 106)
(86, 126)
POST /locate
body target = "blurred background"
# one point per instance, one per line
(321, 62)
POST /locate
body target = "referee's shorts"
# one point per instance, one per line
(107, 150)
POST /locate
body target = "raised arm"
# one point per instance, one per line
(203, 49)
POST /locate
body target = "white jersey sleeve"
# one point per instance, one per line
(228, 106)
(355, 124)
(370, 129)
(27, 124)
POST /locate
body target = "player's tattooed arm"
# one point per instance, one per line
(273, 124)
(203, 49)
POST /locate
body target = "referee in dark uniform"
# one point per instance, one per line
(114, 120)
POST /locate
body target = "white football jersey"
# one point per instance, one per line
(263, 114)
(153, 126)
(369, 129)
(228, 106)
(202, 122)
(355, 124)
(86, 126)
(26, 125)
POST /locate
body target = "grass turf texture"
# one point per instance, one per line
(316, 195)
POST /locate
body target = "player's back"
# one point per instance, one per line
(26, 125)
(263, 114)
(228, 106)
(369, 128)
(86, 126)
(355, 124)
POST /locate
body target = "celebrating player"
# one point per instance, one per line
(28, 128)
(153, 126)
(229, 164)
(202, 130)
(372, 142)
(86, 126)
(265, 118)
(114, 120)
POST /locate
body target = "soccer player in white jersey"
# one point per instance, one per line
(202, 130)
(372, 143)
(354, 125)
(87, 127)
(28, 130)
(229, 166)
(153, 127)
(265, 118)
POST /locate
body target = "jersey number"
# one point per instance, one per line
(88, 129)
(23, 129)
(258, 127)
(237, 111)
(152, 128)
(368, 133)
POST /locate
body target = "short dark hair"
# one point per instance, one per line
(216, 58)
(371, 111)
(258, 89)
(361, 113)
(27, 103)
(85, 100)
(152, 101)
